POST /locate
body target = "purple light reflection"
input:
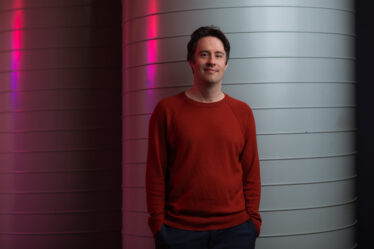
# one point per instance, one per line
(151, 58)
(17, 23)
(152, 50)
(11, 164)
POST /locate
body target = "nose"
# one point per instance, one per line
(211, 60)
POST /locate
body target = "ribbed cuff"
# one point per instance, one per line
(155, 224)
(257, 224)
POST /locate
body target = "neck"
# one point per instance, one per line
(206, 94)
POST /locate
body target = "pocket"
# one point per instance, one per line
(159, 238)
(252, 227)
(159, 231)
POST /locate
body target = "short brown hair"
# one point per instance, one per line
(203, 32)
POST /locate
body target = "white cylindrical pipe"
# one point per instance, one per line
(293, 63)
(60, 81)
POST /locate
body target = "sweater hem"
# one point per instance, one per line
(211, 223)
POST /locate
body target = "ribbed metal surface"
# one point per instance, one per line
(293, 62)
(60, 84)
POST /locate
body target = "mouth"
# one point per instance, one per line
(210, 70)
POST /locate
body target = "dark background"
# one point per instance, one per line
(365, 123)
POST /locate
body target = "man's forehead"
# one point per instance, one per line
(208, 43)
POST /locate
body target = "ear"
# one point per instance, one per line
(227, 64)
(191, 65)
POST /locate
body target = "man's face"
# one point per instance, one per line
(209, 62)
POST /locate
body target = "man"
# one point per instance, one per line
(203, 176)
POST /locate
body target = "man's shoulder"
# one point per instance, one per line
(169, 103)
(239, 105)
(242, 111)
(171, 100)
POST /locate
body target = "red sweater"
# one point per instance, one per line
(202, 166)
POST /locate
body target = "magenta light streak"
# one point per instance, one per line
(151, 49)
(152, 34)
(16, 44)
(151, 59)
(17, 24)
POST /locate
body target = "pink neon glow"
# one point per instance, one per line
(17, 4)
(153, 6)
(17, 24)
(151, 58)
(152, 33)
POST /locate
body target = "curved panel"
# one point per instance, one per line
(136, 224)
(133, 175)
(58, 99)
(311, 221)
(136, 9)
(323, 45)
(136, 127)
(57, 161)
(56, 17)
(341, 238)
(62, 202)
(60, 152)
(288, 70)
(138, 200)
(305, 145)
(6, 4)
(304, 120)
(79, 221)
(304, 221)
(56, 141)
(304, 195)
(33, 182)
(90, 239)
(307, 169)
(288, 45)
(261, 96)
(62, 58)
(143, 102)
(137, 242)
(48, 78)
(42, 121)
(274, 146)
(168, 51)
(246, 19)
(158, 76)
(244, 71)
(294, 95)
(293, 63)
(272, 121)
(135, 151)
(68, 37)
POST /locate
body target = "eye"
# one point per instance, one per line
(219, 55)
(203, 54)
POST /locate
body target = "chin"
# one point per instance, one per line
(211, 82)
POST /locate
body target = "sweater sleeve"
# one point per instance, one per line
(156, 167)
(251, 173)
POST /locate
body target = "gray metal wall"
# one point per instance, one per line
(60, 125)
(293, 62)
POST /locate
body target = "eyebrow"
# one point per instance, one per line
(207, 51)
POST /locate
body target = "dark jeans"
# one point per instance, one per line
(242, 236)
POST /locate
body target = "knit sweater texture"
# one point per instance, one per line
(202, 165)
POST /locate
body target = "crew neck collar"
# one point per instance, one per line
(207, 104)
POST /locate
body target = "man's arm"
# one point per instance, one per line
(156, 167)
(251, 173)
